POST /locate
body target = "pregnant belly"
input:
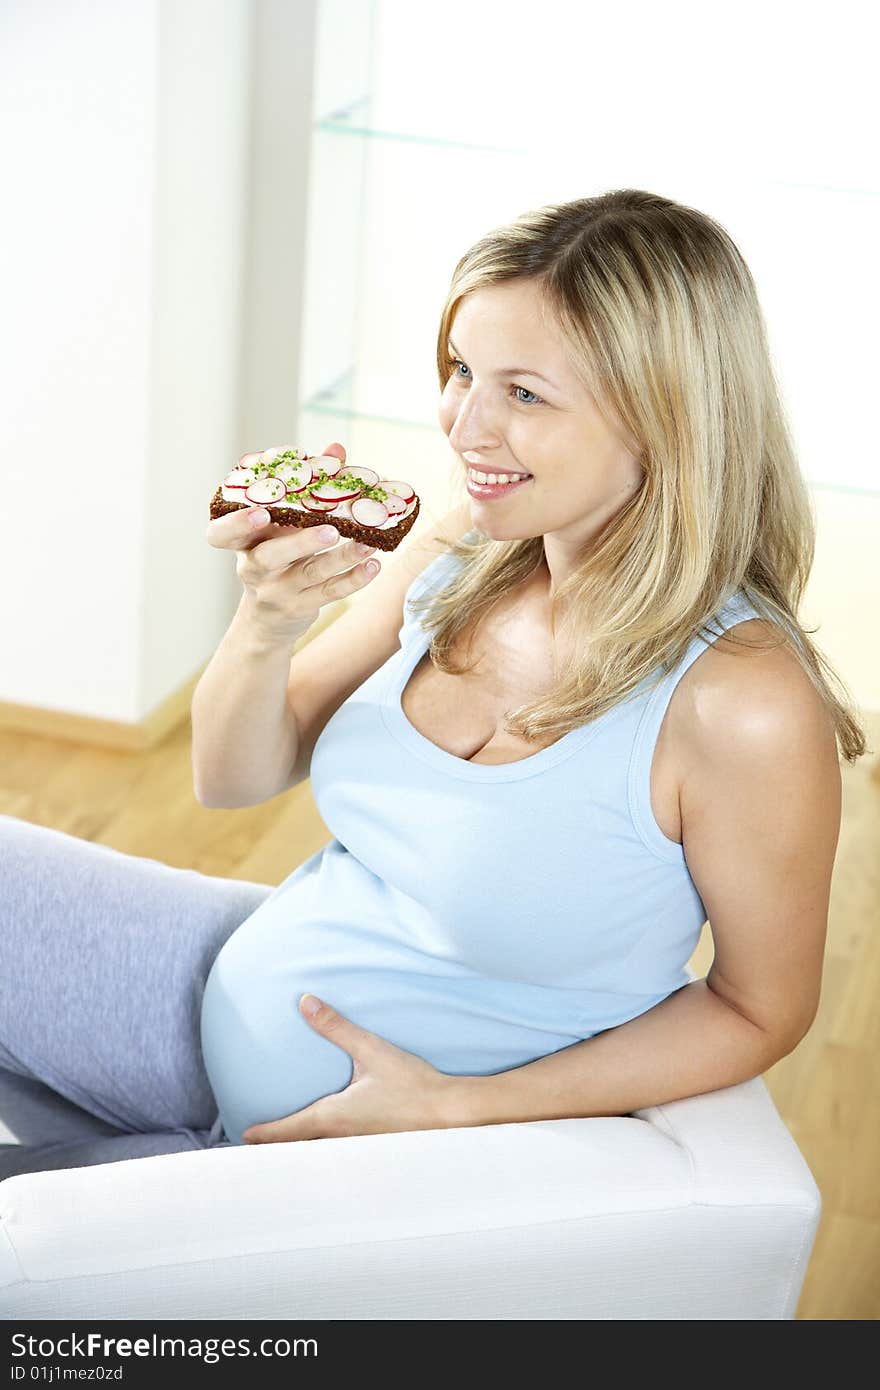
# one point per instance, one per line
(263, 1059)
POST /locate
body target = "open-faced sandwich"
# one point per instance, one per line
(297, 490)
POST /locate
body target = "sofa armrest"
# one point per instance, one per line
(703, 1208)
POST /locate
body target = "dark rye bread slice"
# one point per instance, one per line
(348, 529)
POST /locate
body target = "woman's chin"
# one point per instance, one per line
(499, 529)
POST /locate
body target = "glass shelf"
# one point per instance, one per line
(353, 119)
(337, 400)
(845, 487)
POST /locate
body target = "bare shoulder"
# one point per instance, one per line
(750, 701)
(751, 680)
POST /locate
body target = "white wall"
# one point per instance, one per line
(78, 83)
(134, 324)
(201, 86)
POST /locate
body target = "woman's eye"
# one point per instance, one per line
(535, 399)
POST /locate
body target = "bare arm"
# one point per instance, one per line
(241, 723)
(689, 1043)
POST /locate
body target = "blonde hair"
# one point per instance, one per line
(661, 318)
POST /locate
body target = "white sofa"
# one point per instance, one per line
(699, 1209)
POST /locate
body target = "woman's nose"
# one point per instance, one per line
(472, 432)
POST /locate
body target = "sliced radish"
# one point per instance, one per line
(330, 464)
(296, 475)
(395, 503)
(248, 460)
(270, 455)
(402, 489)
(266, 490)
(397, 517)
(240, 477)
(366, 512)
(312, 504)
(328, 492)
(366, 475)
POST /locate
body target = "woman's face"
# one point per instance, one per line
(500, 420)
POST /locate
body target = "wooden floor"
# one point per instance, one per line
(827, 1090)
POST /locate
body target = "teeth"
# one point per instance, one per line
(494, 477)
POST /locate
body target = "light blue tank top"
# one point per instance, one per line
(480, 916)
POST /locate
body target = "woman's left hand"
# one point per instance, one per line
(390, 1090)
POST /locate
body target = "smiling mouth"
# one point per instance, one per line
(492, 479)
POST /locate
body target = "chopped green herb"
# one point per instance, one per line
(343, 481)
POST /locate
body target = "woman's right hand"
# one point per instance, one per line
(286, 582)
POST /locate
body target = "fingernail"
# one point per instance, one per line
(258, 518)
(328, 533)
(310, 1004)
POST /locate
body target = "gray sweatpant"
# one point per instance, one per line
(103, 963)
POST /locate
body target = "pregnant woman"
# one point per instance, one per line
(562, 728)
